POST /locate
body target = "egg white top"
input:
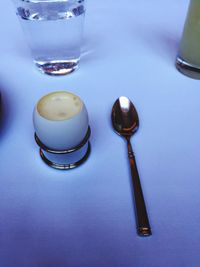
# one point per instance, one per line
(59, 106)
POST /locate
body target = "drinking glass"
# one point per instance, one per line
(54, 30)
(188, 58)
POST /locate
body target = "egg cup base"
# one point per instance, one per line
(73, 157)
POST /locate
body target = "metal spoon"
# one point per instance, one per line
(125, 123)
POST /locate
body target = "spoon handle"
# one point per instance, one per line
(143, 226)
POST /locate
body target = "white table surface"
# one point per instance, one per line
(85, 217)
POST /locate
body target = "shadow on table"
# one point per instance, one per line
(91, 49)
(170, 44)
(5, 113)
(164, 43)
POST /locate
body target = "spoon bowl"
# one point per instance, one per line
(125, 119)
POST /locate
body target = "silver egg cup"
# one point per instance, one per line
(65, 159)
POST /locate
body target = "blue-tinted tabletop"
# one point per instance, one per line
(85, 217)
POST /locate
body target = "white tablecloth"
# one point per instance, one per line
(85, 217)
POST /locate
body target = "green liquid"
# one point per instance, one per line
(189, 50)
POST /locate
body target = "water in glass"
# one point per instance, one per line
(54, 32)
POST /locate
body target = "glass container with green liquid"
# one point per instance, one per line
(188, 58)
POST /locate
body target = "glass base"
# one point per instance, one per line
(188, 69)
(57, 68)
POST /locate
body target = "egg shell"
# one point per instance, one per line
(61, 134)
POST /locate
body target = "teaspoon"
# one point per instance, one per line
(125, 123)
